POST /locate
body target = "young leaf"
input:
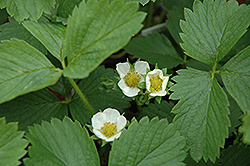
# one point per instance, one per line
(51, 35)
(61, 143)
(98, 99)
(33, 108)
(25, 70)
(12, 145)
(174, 15)
(160, 110)
(235, 155)
(213, 28)
(96, 30)
(154, 48)
(24, 9)
(245, 128)
(202, 112)
(236, 77)
(63, 9)
(13, 29)
(148, 143)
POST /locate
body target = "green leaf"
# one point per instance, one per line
(96, 30)
(202, 112)
(235, 155)
(3, 16)
(174, 15)
(143, 2)
(12, 145)
(25, 70)
(148, 143)
(190, 162)
(98, 99)
(51, 35)
(240, 45)
(63, 9)
(213, 29)
(24, 9)
(236, 77)
(245, 128)
(33, 108)
(235, 113)
(154, 48)
(157, 110)
(13, 29)
(61, 143)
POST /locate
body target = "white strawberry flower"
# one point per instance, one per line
(108, 125)
(156, 83)
(131, 77)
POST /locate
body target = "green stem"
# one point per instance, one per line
(138, 105)
(214, 70)
(81, 95)
(150, 14)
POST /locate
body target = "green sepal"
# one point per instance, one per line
(94, 137)
(90, 127)
(107, 84)
(142, 85)
(158, 99)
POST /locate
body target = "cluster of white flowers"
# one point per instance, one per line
(108, 125)
(132, 76)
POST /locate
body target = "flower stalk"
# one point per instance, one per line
(81, 95)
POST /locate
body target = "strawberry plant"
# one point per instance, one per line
(124, 82)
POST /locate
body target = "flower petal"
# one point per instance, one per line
(122, 69)
(99, 134)
(98, 120)
(130, 92)
(165, 82)
(121, 123)
(141, 67)
(112, 138)
(160, 93)
(111, 115)
(148, 83)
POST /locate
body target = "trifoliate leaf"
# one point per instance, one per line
(12, 145)
(33, 108)
(24, 9)
(202, 112)
(61, 143)
(51, 35)
(236, 77)
(175, 14)
(213, 28)
(96, 30)
(161, 111)
(148, 143)
(98, 99)
(13, 29)
(154, 48)
(24, 69)
(235, 155)
(245, 128)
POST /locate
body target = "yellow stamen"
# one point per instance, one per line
(109, 129)
(156, 83)
(132, 79)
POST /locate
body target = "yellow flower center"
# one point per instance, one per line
(132, 79)
(109, 129)
(156, 84)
